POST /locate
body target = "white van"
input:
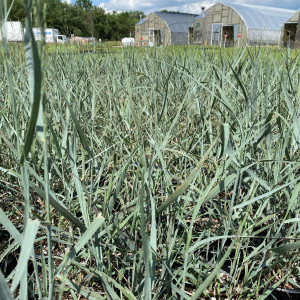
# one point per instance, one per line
(51, 35)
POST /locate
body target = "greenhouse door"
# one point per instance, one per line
(228, 36)
(191, 35)
(216, 34)
(151, 37)
(289, 36)
(158, 37)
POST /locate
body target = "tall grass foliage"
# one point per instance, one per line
(148, 173)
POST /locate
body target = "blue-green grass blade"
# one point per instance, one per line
(266, 195)
(77, 183)
(225, 133)
(79, 130)
(26, 250)
(286, 248)
(5, 293)
(10, 227)
(35, 83)
(83, 240)
(183, 187)
(213, 274)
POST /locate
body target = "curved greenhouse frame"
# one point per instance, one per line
(232, 24)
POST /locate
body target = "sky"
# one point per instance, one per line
(190, 6)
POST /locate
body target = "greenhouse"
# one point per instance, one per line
(164, 29)
(231, 24)
(290, 32)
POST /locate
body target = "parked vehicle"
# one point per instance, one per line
(62, 39)
(13, 30)
(51, 35)
(37, 33)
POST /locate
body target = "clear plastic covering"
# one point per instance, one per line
(257, 35)
(262, 17)
(178, 24)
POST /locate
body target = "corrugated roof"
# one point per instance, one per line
(203, 15)
(261, 17)
(177, 22)
(141, 22)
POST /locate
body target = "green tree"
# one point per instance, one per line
(54, 13)
(68, 19)
(85, 4)
(171, 11)
(99, 17)
(75, 21)
(119, 25)
(17, 12)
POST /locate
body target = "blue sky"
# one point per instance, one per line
(184, 5)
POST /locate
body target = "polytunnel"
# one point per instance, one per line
(232, 24)
(164, 29)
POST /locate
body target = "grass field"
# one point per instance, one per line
(168, 173)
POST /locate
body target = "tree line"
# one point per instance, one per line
(81, 19)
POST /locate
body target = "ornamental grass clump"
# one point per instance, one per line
(148, 173)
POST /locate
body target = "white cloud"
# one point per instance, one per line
(156, 5)
(190, 6)
(125, 5)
